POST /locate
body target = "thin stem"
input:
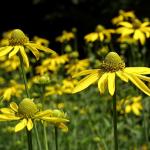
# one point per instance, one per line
(37, 136)
(115, 123)
(29, 133)
(24, 76)
(56, 138)
(29, 136)
(45, 137)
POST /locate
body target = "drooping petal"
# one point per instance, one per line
(137, 70)
(42, 48)
(7, 111)
(34, 51)
(86, 72)
(21, 125)
(43, 113)
(24, 56)
(111, 83)
(143, 77)
(128, 109)
(63, 127)
(29, 124)
(102, 83)
(140, 84)
(135, 110)
(5, 51)
(14, 106)
(138, 35)
(122, 76)
(13, 52)
(85, 82)
(55, 119)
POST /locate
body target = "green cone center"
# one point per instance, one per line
(18, 38)
(112, 63)
(27, 107)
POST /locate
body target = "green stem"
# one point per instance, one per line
(37, 136)
(29, 133)
(115, 123)
(24, 76)
(45, 137)
(29, 136)
(56, 138)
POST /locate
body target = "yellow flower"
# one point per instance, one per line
(54, 90)
(41, 41)
(137, 29)
(52, 64)
(66, 36)
(41, 79)
(100, 34)
(5, 40)
(68, 85)
(14, 89)
(123, 16)
(26, 112)
(10, 64)
(19, 42)
(111, 67)
(130, 104)
(77, 66)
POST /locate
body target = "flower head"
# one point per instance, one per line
(66, 36)
(130, 104)
(136, 29)
(100, 34)
(19, 42)
(26, 112)
(111, 67)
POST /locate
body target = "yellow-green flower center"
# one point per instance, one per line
(112, 63)
(99, 28)
(136, 23)
(27, 108)
(18, 38)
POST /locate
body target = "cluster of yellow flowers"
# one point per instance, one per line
(55, 74)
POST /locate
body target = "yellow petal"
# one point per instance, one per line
(4, 117)
(44, 113)
(128, 109)
(102, 83)
(7, 111)
(34, 51)
(140, 84)
(111, 83)
(24, 56)
(14, 51)
(135, 110)
(42, 48)
(63, 127)
(85, 72)
(126, 24)
(143, 77)
(14, 106)
(145, 24)
(138, 35)
(122, 76)
(85, 82)
(29, 124)
(124, 31)
(21, 125)
(5, 51)
(137, 70)
(55, 119)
